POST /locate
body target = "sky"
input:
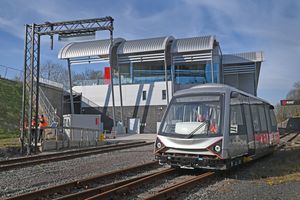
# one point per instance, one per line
(271, 26)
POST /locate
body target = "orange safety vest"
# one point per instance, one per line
(43, 122)
(213, 128)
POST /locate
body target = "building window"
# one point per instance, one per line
(163, 94)
(144, 95)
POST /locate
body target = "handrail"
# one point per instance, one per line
(48, 108)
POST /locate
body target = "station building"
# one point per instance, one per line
(151, 71)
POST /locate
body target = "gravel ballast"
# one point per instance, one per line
(27, 179)
(276, 176)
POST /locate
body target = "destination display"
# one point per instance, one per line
(290, 102)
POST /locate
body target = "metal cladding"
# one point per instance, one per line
(144, 45)
(194, 49)
(243, 57)
(87, 48)
(152, 49)
(193, 44)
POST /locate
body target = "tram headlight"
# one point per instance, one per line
(158, 145)
(217, 148)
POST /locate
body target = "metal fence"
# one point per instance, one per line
(70, 133)
(11, 73)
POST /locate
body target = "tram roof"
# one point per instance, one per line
(214, 88)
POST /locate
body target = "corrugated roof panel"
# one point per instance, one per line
(87, 48)
(144, 45)
(193, 44)
(243, 57)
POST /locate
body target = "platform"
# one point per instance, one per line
(148, 137)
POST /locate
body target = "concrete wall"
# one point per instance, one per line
(100, 95)
(148, 115)
(97, 99)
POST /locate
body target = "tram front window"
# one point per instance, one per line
(193, 116)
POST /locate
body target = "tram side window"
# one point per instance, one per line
(268, 117)
(237, 123)
(255, 118)
(262, 117)
(273, 121)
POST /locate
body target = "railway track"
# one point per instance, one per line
(81, 188)
(132, 188)
(288, 138)
(173, 190)
(122, 183)
(33, 160)
(286, 134)
(293, 137)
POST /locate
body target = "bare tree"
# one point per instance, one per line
(54, 72)
(88, 74)
(284, 112)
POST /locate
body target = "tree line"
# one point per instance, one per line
(285, 112)
(58, 73)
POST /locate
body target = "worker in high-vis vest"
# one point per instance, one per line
(43, 124)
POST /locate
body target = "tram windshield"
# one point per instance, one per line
(193, 116)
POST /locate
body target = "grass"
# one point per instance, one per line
(10, 111)
(283, 179)
(9, 142)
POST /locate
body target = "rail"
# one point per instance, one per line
(173, 190)
(33, 160)
(66, 190)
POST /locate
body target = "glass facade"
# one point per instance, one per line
(149, 72)
(146, 72)
(192, 73)
(182, 73)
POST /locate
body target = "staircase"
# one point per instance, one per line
(47, 109)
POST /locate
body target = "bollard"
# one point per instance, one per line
(101, 138)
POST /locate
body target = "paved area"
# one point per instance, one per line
(149, 137)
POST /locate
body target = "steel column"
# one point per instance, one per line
(120, 90)
(37, 93)
(166, 76)
(24, 121)
(31, 103)
(71, 90)
(172, 78)
(112, 77)
(212, 67)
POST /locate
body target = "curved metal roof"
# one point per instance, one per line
(144, 45)
(87, 48)
(193, 44)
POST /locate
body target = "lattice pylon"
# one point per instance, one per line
(30, 87)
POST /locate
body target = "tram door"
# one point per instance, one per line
(238, 144)
(250, 133)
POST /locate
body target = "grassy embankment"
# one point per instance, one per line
(10, 112)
